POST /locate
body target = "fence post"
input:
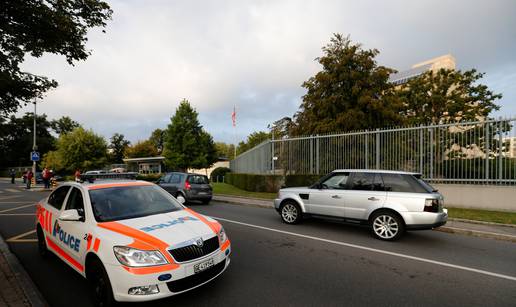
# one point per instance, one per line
(377, 148)
(500, 151)
(272, 155)
(421, 149)
(367, 150)
(311, 154)
(431, 153)
(486, 175)
(317, 154)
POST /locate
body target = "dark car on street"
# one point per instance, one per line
(187, 187)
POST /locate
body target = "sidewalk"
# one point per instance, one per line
(460, 226)
(16, 287)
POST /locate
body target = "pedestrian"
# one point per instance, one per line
(77, 175)
(46, 178)
(13, 175)
(29, 176)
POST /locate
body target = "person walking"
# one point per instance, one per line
(46, 177)
(13, 175)
(29, 176)
(77, 175)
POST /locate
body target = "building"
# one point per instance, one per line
(147, 165)
(509, 148)
(445, 61)
(222, 162)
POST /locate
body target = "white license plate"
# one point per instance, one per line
(199, 267)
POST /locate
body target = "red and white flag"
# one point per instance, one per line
(233, 117)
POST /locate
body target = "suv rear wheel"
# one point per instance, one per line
(290, 212)
(387, 226)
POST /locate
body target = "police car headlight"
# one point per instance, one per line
(137, 258)
(222, 235)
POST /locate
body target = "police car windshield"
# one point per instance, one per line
(119, 203)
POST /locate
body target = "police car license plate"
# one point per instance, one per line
(203, 266)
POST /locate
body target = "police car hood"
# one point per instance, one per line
(173, 228)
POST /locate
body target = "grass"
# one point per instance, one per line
(483, 215)
(227, 189)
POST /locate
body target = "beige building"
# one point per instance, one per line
(446, 61)
(207, 171)
(509, 150)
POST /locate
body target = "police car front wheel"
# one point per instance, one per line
(42, 245)
(100, 286)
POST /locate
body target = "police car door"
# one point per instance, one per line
(72, 229)
(53, 207)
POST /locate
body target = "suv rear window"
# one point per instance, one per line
(403, 183)
(198, 179)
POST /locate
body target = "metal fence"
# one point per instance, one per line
(469, 152)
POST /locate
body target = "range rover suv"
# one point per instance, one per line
(390, 202)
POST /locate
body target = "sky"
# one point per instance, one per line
(254, 56)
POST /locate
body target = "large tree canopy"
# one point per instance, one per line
(187, 145)
(253, 139)
(64, 125)
(351, 92)
(447, 96)
(33, 27)
(142, 149)
(118, 147)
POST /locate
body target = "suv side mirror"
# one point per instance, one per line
(70, 215)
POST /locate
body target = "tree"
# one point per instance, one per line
(447, 96)
(187, 145)
(158, 139)
(142, 149)
(82, 149)
(351, 92)
(118, 147)
(225, 150)
(253, 139)
(34, 28)
(64, 125)
(16, 138)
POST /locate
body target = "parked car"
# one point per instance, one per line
(96, 172)
(389, 202)
(187, 187)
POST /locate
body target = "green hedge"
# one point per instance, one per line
(219, 173)
(268, 183)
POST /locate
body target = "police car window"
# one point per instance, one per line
(75, 201)
(121, 203)
(337, 181)
(57, 198)
(176, 178)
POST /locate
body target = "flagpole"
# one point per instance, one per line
(233, 119)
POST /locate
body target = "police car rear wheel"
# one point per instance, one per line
(101, 291)
(42, 245)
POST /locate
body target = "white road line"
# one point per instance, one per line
(459, 267)
(16, 214)
(13, 190)
(9, 197)
(13, 202)
(15, 238)
(23, 241)
(20, 207)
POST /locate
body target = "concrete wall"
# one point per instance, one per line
(498, 198)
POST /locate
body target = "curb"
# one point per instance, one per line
(26, 284)
(243, 201)
(476, 233)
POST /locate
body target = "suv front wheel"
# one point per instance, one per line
(387, 226)
(290, 212)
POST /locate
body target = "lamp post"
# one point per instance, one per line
(34, 147)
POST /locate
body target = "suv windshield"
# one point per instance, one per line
(121, 203)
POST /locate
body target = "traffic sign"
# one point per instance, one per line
(34, 156)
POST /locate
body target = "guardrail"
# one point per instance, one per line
(477, 152)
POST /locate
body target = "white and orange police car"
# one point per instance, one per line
(132, 240)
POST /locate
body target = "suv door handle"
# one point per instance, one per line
(336, 196)
(373, 198)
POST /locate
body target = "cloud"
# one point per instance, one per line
(255, 55)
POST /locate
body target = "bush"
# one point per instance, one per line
(301, 180)
(269, 183)
(219, 173)
(149, 177)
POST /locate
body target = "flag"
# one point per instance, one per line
(233, 117)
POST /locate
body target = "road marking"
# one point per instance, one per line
(20, 207)
(17, 214)
(512, 278)
(12, 190)
(9, 197)
(18, 237)
(24, 241)
(13, 202)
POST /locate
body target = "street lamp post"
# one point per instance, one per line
(34, 147)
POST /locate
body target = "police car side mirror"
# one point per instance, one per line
(70, 215)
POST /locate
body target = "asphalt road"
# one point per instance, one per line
(316, 263)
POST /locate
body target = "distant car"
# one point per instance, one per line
(187, 187)
(95, 172)
(389, 202)
(117, 170)
(39, 177)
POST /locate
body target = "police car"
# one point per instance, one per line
(132, 240)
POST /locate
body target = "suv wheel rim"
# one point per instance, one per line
(289, 213)
(181, 199)
(385, 226)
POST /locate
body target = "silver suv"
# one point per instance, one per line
(390, 202)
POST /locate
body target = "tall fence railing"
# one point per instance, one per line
(468, 152)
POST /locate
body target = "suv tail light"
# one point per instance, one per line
(188, 186)
(431, 205)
